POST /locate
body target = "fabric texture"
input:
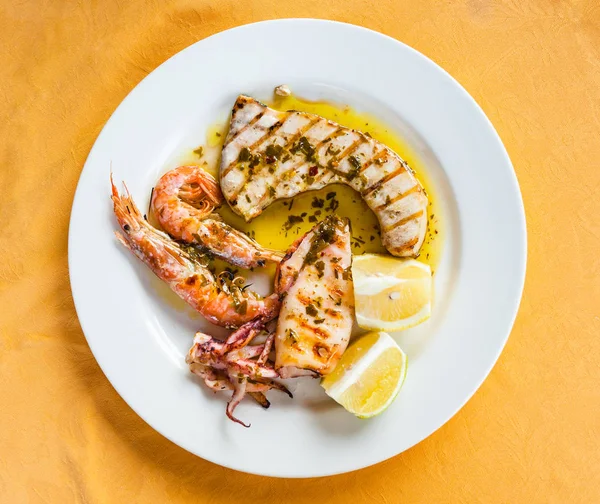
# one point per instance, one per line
(531, 434)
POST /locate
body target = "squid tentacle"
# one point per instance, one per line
(235, 364)
(236, 398)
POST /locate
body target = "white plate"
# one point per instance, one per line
(140, 333)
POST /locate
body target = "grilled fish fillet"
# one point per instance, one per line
(269, 155)
(317, 311)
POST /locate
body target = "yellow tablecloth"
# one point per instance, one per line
(532, 432)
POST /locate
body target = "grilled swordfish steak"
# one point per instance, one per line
(270, 155)
(317, 311)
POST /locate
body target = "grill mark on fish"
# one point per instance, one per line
(416, 215)
(238, 106)
(349, 150)
(336, 158)
(302, 131)
(250, 124)
(295, 137)
(279, 179)
(331, 160)
(385, 179)
(377, 156)
(286, 146)
(332, 136)
(336, 171)
(254, 120)
(407, 246)
(400, 196)
(271, 130)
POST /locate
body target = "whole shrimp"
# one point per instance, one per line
(183, 201)
(220, 300)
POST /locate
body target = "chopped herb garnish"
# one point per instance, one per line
(332, 152)
(254, 161)
(353, 160)
(292, 220)
(330, 195)
(305, 147)
(323, 237)
(333, 205)
(320, 265)
(291, 334)
(318, 202)
(355, 167)
(311, 310)
(244, 155)
(274, 151)
(332, 163)
(240, 308)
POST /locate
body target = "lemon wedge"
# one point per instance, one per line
(391, 294)
(369, 375)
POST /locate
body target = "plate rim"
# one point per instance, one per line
(519, 273)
